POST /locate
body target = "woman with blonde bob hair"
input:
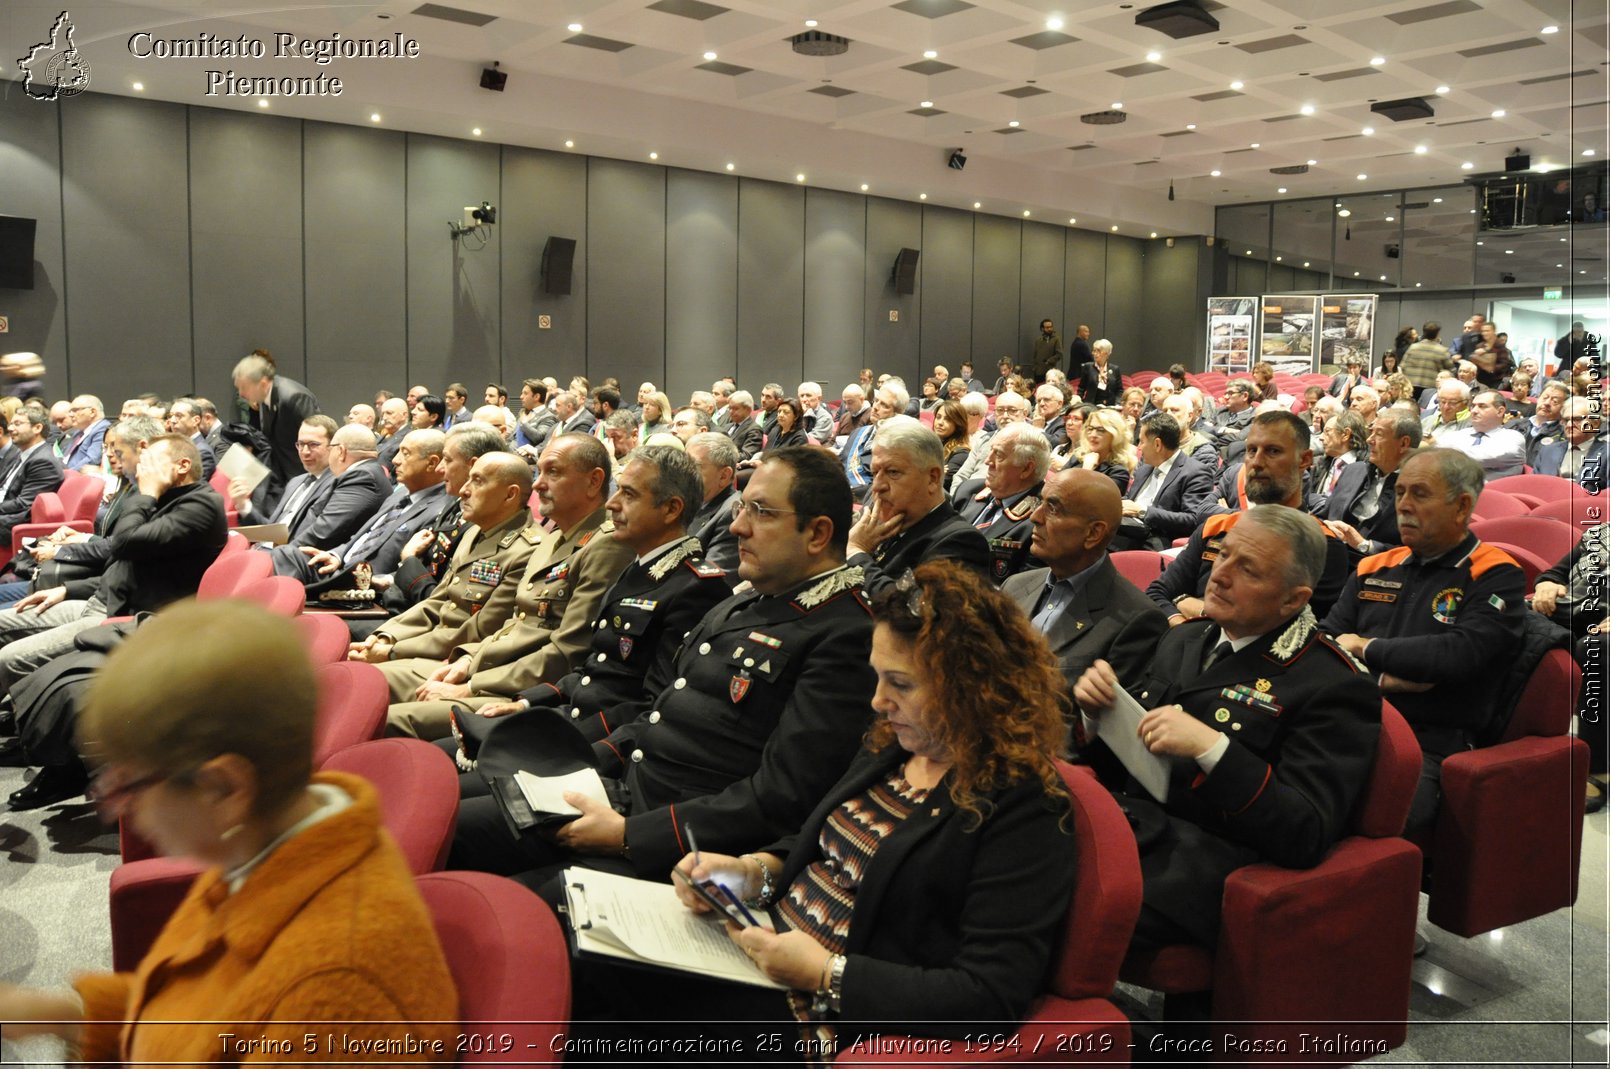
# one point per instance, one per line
(1107, 447)
(200, 727)
(925, 893)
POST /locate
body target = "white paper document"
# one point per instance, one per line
(238, 463)
(546, 794)
(643, 921)
(1118, 728)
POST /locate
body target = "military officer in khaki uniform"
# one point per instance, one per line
(477, 592)
(559, 592)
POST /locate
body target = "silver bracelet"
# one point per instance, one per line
(767, 887)
(835, 984)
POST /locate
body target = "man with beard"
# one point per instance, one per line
(1278, 455)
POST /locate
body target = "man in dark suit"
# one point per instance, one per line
(1079, 353)
(1360, 510)
(1170, 493)
(1579, 454)
(417, 500)
(1101, 382)
(637, 632)
(536, 417)
(1085, 609)
(741, 426)
(908, 519)
(35, 471)
(184, 417)
(717, 459)
(299, 503)
(355, 489)
(1268, 729)
(1000, 504)
(279, 406)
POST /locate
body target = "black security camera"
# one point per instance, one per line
(485, 214)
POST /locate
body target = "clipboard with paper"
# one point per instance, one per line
(1119, 728)
(642, 922)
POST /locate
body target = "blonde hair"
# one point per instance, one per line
(1123, 451)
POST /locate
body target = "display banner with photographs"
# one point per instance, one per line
(1286, 333)
(1347, 328)
(1229, 333)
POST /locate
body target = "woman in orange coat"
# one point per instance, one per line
(201, 726)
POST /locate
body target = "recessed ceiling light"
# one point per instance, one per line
(734, 167)
(1256, 145)
(1025, 213)
(1559, 265)
(1467, 165)
(1436, 200)
(1509, 252)
(1313, 163)
(1367, 131)
(1115, 226)
(1072, 221)
(1248, 252)
(1499, 113)
(1237, 85)
(709, 56)
(1355, 274)
(372, 118)
(1362, 177)
(1054, 22)
(922, 196)
(1190, 126)
(1305, 263)
(810, 24)
(1543, 168)
(1551, 29)
(1378, 61)
(1013, 124)
(930, 54)
(1279, 258)
(1307, 109)
(1154, 233)
(1153, 57)
(1421, 150)
(1391, 218)
(1383, 278)
(865, 187)
(1481, 243)
(1587, 152)
(570, 144)
(476, 131)
(1282, 189)
(1417, 285)
(574, 27)
(925, 104)
(1345, 212)
(1443, 90)
(264, 104)
(977, 204)
(139, 87)
(1215, 174)
(799, 178)
(653, 155)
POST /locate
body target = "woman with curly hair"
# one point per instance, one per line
(950, 423)
(925, 894)
(1107, 447)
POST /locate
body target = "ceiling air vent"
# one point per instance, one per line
(1296, 168)
(1109, 117)
(817, 43)
(1406, 110)
(1183, 19)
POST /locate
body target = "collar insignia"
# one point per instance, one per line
(671, 558)
(840, 581)
(1296, 635)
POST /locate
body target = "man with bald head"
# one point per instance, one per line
(358, 486)
(1086, 610)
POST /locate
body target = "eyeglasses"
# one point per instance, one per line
(762, 512)
(306, 446)
(108, 793)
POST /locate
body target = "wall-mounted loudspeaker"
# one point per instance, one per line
(557, 256)
(904, 275)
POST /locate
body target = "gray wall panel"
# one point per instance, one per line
(1126, 310)
(1175, 317)
(892, 225)
(544, 195)
(625, 271)
(835, 284)
(30, 160)
(453, 289)
(127, 245)
(997, 262)
(701, 282)
(1043, 288)
(246, 243)
(771, 286)
(356, 262)
(946, 269)
(1085, 284)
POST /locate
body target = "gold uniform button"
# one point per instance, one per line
(1222, 715)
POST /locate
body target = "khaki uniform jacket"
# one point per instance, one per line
(475, 595)
(561, 591)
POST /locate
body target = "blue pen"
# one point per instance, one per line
(750, 917)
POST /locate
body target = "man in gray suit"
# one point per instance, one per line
(717, 458)
(1086, 610)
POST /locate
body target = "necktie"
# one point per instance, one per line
(378, 532)
(1479, 436)
(1216, 654)
(1335, 473)
(987, 517)
(289, 510)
